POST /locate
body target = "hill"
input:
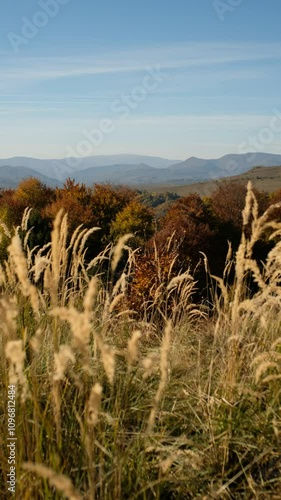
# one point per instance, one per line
(138, 170)
(263, 178)
(10, 177)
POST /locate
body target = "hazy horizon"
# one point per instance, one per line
(137, 155)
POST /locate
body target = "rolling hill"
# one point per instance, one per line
(263, 178)
(10, 177)
(134, 170)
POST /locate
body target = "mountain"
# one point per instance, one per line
(198, 169)
(10, 177)
(134, 170)
(67, 167)
(126, 174)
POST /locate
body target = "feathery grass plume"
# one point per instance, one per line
(94, 404)
(121, 284)
(25, 218)
(20, 265)
(15, 354)
(3, 277)
(132, 349)
(249, 203)
(263, 367)
(25, 243)
(10, 275)
(271, 378)
(6, 230)
(41, 263)
(150, 364)
(114, 303)
(58, 481)
(229, 252)
(56, 254)
(79, 323)
(61, 360)
(107, 357)
(118, 250)
(8, 316)
(90, 296)
(85, 238)
(74, 235)
(102, 256)
(275, 344)
(36, 340)
(79, 250)
(164, 371)
(174, 282)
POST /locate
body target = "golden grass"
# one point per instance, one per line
(110, 407)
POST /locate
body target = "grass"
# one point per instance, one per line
(113, 407)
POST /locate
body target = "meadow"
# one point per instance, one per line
(179, 401)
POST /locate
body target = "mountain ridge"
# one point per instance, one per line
(136, 173)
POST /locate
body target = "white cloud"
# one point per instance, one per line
(173, 57)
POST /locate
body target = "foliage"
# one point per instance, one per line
(190, 223)
(112, 408)
(228, 201)
(74, 199)
(135, 218)
(33, 193)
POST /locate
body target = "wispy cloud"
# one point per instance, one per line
(203, 122)
(173, 57)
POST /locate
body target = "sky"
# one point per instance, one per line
(166, 78)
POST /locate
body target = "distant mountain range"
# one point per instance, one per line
(135, 170)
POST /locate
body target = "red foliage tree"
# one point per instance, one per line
(228, 202)
(190, 223)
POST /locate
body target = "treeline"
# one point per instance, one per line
(171, 234)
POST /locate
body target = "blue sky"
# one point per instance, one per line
(217, 83)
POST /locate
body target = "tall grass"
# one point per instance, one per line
(113, 407)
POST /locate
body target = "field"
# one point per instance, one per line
(263, 178)
(180, 404)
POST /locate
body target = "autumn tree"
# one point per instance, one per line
(135, 218)
(33, 193)
(75, 200)
(228, 201)
(275, 199)
(191, 224)
(106, 202)
(11, 209)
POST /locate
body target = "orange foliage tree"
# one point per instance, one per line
(75, 200)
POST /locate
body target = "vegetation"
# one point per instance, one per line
(181, 400)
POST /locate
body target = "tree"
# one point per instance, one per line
(33, 193)
(190, 222)
(134, 218)
(106, 202)
(75, 200)
(228, 202)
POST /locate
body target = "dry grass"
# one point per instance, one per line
(112, 408)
